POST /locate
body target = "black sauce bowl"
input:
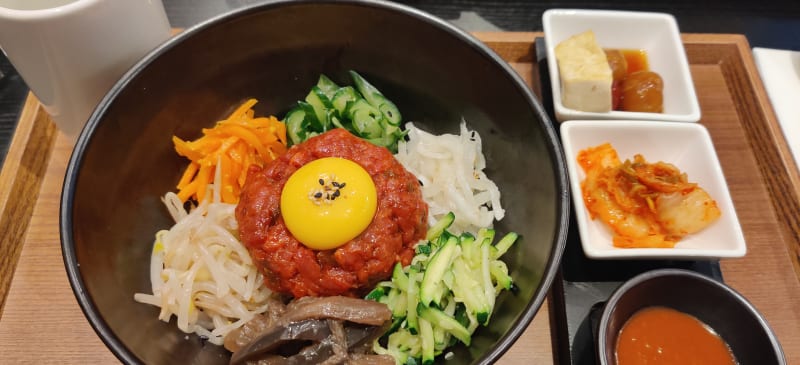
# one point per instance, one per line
(124, 160)
(733, 318)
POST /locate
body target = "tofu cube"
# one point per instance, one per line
(586, 77)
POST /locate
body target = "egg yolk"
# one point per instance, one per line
(328, 202)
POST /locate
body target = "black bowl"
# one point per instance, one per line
(733, 318)
(124, 160)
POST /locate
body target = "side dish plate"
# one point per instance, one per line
(655, 33)
(685, 145)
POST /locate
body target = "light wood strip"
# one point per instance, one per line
(22, 174)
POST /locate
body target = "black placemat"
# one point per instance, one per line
(583, 285)
(12, 97)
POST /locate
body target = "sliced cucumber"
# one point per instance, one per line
(396, 324)
(432, 280)
(402, 345)
(441, 319)
(470, 291)
(327, 86)
(344, 96)
(385, 141)
(373, 118)
(485, 235)
(311, 123)
(397, 303)
(338, 122)
(322, 109)
(468, 247)
(296, 124)
(436, 230)
(499, 272)
(486, 280)
(376, 99)
(376, 294)
(412, 296)
(427, 341)
(399, 277)
(504, 244)
(366, 119)
(442, 339)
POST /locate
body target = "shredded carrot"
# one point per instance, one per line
(188, 174)
(234, 143)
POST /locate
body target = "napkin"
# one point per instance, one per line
(780, 72)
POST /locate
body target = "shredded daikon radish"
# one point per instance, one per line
(450, 168)
(201, 273)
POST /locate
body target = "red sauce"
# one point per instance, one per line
(352, 269)
(658, 335)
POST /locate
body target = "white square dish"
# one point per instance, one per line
(687, 146)
(655, 33)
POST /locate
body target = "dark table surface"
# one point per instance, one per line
(771, 24)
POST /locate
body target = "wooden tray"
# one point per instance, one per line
(41, 321)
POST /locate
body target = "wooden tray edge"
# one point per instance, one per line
(784, 187)
(20, 179)
(775, 160)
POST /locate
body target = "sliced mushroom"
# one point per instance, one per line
(313, 331)
(255, 327)
(283, 337)
(338, 341)
(364, 359)
(344, 308)
(311, 341)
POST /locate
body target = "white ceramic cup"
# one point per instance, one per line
(70, 52)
